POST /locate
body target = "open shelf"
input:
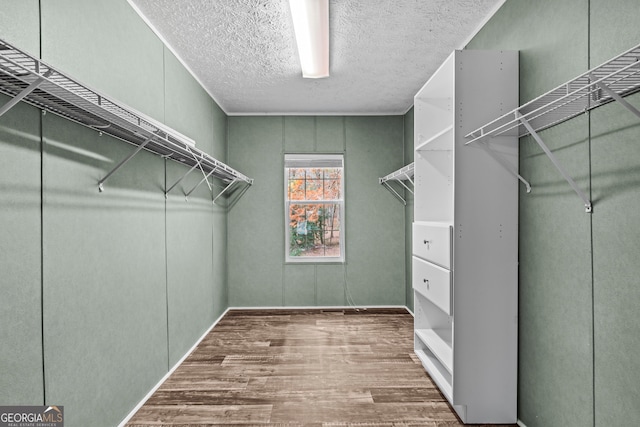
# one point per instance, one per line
(434, 178)
(439, 114)
(26, 78)
(440, 343)
(438, 374)
(442, 141)
(433, 223)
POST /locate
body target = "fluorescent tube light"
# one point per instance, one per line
(311, 25)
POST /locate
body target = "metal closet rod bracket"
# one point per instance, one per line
(235, 200)
(233, 181)
(504, 164)
(166, 193)
(25, 92)
(199, 164)
(122, 162)
(614, 95)
(394, 192)
(556, 163)
(205, 178)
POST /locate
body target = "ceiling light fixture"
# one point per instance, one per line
(311, 25)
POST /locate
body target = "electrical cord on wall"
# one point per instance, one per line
(350, 300)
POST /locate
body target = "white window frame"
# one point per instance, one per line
(315, 160)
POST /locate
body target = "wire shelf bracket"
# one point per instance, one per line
(166, 193)
(225, 189)
(611, 81)
(615, 96)
(557, 164)
(24, 93)
(487, 148)
(205, 178)
(125, 160)
(400, 176)
(26, 78)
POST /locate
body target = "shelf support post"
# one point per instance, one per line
(24, 93)
(125, 160)
(554, 160)
(615, 96)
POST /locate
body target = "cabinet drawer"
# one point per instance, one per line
(433, 282)
(433, 243)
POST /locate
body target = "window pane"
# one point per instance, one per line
(314, 173)
(314, 230)
(296, 189)
(332, 173)
(332, 189)
(317, 184)
(314, 189)
(296, 173)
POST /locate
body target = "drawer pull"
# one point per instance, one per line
(427, 282)
(428, 243)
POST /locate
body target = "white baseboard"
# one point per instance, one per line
(168, 374)
(323, 307)
(520, 423)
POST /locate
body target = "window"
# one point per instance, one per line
(314, 207)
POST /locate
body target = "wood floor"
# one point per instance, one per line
(302, 368)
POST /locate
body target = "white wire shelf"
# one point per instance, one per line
(611, 81)
(400, 176)
(621, 75)
(28, 79)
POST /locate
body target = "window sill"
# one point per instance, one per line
(321, 261)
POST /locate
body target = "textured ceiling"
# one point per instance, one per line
(381, 51)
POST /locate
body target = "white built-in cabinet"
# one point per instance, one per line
(465, 236)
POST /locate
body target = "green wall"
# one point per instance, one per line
(579, 293)
(106, 291)
(196, 229)
(20, 228)
(374, 271)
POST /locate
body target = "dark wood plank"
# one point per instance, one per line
(302, 367)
